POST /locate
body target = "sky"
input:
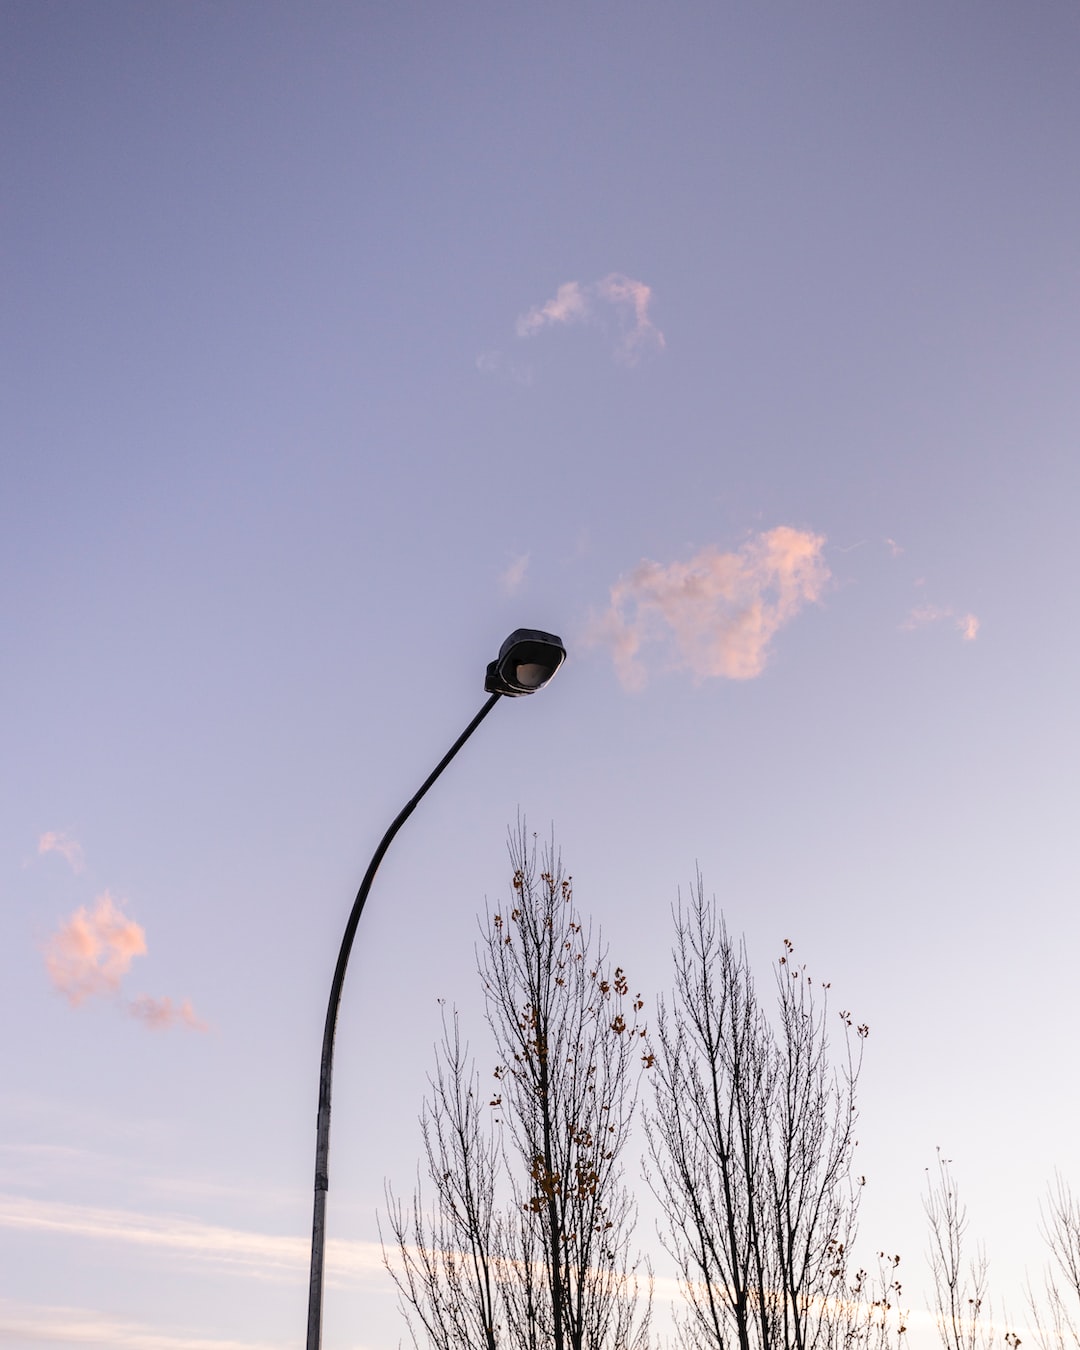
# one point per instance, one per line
(736, 344)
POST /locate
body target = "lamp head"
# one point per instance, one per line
(527, 660)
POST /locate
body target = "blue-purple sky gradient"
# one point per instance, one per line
(279, 474)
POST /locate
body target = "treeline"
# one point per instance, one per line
(522, 1236)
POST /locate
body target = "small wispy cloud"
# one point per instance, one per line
(92, 950)
(55, 841)
(43, 1324)
(717, 613)
(90, 953)
(629, 300)
(512, 576)
(966, 624)
(262, 1255)
(55, 1169)
(894, 548)
(158, 1014)
(499, 364)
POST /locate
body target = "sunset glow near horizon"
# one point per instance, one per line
(738, 345)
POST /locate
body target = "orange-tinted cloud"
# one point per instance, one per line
(53, 841)
(716, 614)
(158, 1014)
(90, 951)
(574, 303)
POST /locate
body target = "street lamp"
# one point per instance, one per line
(527, 660)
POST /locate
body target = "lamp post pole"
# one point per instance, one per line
(527, 661)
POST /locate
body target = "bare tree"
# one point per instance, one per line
(960, 1281)
(1057, 1321)
(751, 1136)
(871, 1315)
(448, 1273)
(527, 1243)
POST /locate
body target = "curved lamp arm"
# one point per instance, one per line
(322, 1143)
(527, 661)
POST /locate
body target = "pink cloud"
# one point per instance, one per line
(90, 951)
(716, 614)
(574, 303)
(158, 1014)
(53, 841)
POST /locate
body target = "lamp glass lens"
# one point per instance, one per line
(531, 675)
